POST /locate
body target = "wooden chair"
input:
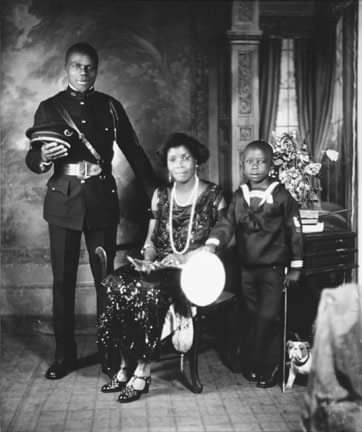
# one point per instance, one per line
(225, 300)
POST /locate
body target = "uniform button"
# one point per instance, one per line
(53, 188)
(106, 129)
(82, 102)
(82, 181)
(83, 121)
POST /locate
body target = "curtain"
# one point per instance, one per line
(350, 53)
(314, 75)
(269, 79)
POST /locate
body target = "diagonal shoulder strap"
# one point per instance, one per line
(70, 122)
(115, 120)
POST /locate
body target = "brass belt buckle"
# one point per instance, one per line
(83, 170)
(87, 170)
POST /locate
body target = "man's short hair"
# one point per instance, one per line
(264, 146)
(82, 48)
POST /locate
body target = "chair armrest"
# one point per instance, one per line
(102, 257)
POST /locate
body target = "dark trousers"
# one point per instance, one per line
(64, 251)
(262, 290)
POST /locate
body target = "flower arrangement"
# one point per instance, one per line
(294, 168)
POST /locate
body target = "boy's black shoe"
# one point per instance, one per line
(268, 380)
(251, 376)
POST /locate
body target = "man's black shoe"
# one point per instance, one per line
(268, 380)
(59, 370)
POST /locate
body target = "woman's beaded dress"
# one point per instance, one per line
(137, 303)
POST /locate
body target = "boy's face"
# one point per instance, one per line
(256, 165)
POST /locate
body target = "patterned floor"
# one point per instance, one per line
(30, 403)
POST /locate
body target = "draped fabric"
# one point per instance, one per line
(315, 74)
(269, 78)
(351, 27)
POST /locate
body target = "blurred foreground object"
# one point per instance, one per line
(334, 396)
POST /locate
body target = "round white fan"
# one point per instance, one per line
(203, 278)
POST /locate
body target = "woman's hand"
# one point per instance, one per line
(173, 260)
(206, 248)
(144, 266)
(176, 260)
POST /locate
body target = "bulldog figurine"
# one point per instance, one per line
(300, 356)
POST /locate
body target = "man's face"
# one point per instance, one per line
(81, 71)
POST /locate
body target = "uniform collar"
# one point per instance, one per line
(71, 91)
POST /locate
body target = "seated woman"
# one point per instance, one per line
(184, 214)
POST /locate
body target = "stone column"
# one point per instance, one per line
(244, 38)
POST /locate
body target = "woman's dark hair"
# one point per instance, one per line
(265, 147)
(198, 151)
(82, 48)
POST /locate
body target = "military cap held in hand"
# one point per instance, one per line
(52, 132)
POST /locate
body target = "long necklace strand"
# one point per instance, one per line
(188, 238)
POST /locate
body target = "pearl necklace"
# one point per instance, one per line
(193, 196)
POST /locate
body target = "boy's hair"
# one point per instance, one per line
(265, 147)
(82, 48)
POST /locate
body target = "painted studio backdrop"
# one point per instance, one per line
(153, 58)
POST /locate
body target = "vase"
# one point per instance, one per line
(312, 202)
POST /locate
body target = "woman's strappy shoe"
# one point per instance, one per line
(130, 394)
(114, 385)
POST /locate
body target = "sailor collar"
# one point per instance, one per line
(265, 196)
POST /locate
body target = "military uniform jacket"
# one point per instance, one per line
(74, 203)
(266, 235)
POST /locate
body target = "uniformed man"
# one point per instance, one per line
(73, 134)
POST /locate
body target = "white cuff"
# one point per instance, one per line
(297, 264)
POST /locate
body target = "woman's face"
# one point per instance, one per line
(181, 164)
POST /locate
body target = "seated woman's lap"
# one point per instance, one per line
(136, 308)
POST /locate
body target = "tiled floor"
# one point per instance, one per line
(30, 403)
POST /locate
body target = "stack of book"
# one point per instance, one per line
(310, 221)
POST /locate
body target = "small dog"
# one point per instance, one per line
(300, 356)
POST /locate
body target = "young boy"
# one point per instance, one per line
(265, 219)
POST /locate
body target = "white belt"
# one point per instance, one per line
(82, 169)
